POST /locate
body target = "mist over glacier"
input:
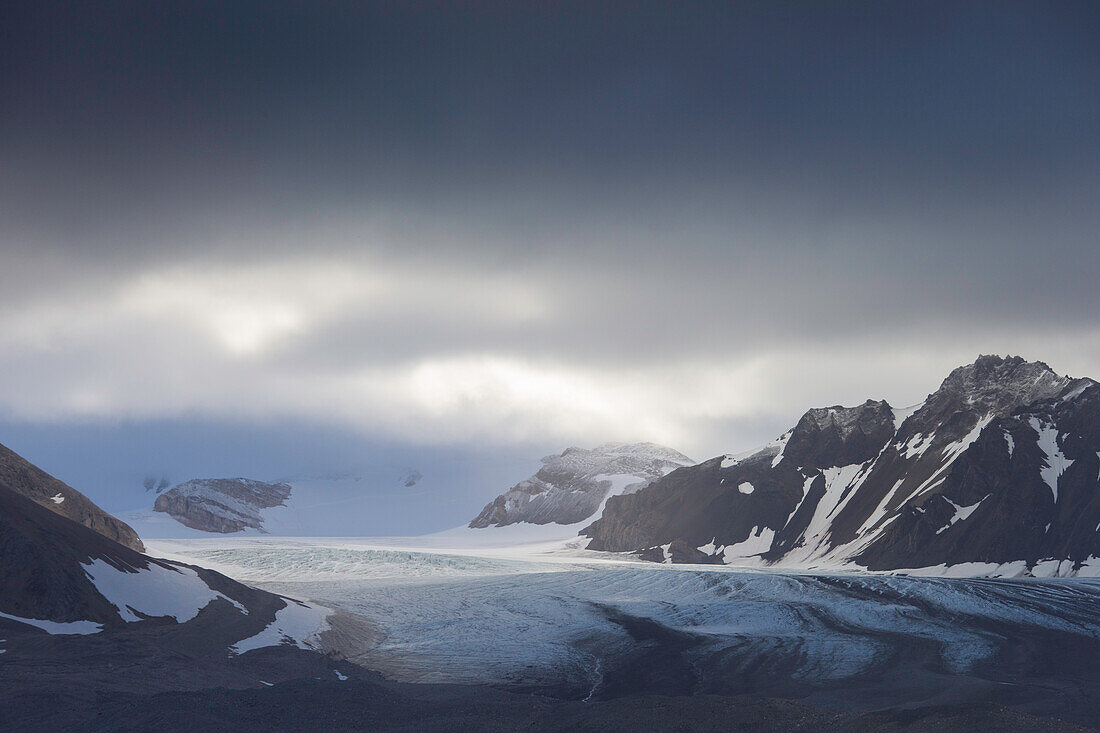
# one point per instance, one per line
(110, 463)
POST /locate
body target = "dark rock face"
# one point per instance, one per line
(41, 575)
(222, 505)
(21, 477)
(129, 623)
(365, 703)
(571, 487)
(43, 557)
(999, 465)
(1027, 488)
(840, 436)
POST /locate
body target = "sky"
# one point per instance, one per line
(514, 227)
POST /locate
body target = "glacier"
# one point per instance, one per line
(556, 616)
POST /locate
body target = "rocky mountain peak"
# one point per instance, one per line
(845, 420)
(1003, 382)
(572, 486)
(991, 386)
(839, 436)
(644, 449)
(614, 458)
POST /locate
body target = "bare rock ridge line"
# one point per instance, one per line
(999, 466)
(22, 477)
(573, 486)
(222, 505)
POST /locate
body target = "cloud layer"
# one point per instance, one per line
(511, 224)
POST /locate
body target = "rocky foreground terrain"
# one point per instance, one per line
(373, 704)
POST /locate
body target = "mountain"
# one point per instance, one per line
(573, 486)
(61, 577)
(21, 477)
(222, 505)
(999, 467)
(85, 619)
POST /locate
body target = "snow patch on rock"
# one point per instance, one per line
(1056, 462)
(901, 414)
(158, 591)
(758, 542)
(298, 624)
(57, 627)
(961, 513)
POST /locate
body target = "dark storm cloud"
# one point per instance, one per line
(274, 104)
(583, 187)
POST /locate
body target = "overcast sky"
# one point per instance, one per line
(537, 223)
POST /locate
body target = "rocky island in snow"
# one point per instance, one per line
(222, 505)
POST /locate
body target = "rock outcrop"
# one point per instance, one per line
(222, 505)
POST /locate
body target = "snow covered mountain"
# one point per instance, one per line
(573, 486)
(22, 477)
(998, 469)
(221, 504)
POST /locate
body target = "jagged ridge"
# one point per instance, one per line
(999, 465)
